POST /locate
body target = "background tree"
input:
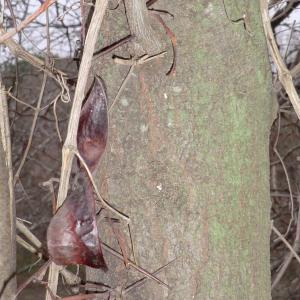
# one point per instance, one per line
(7, 206)
(188, 159)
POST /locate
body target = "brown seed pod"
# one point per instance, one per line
(72, 235)
(93, 125)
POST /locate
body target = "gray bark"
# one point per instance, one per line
(188, 160)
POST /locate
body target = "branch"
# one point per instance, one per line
(32, 130)
(284, 74)
(145, 40)
(283, 13)
(20, 52)
(27, 21)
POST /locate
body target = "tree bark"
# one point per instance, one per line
(7, 208)
(188, 160)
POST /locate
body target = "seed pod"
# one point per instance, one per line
(72, 235)
(93, 125)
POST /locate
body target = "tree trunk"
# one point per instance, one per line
(188, 160)
(7, 208)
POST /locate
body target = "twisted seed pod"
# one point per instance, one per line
(93, 125)
(72, 235)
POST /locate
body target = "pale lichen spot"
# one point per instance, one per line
(208, 9)
(177, 89)
(165, 96)
(159, 187)
(124, 102)
(144, 128)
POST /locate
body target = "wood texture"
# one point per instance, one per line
(188, 160)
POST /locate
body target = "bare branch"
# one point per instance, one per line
(27, 21)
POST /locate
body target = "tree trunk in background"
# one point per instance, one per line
(7, 208)
(188, 159)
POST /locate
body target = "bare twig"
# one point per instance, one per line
(293, 250)
(27, 21)
(56, 119)
(284, 12)
(27, 246)
(20, 52)
(132, 62)
(103, 202)
(86, 296)
(34, 121)
(29, 235)
(289, 40)
(132, 264)
(285, 155)
(121, 241)
(111, 47)
(172, 37)
(286, 175)
(124, 82)
(20, 101)
(38, 275)
(284, 75)
(70, 277)
(143, 280)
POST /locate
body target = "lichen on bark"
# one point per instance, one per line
(188, 160)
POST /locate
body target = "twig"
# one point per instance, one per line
(121, 88)
(49, 185)
(285, 155)
(132, 264)
(286, 175)
(132, 62)
(86, 296)
(104, 203)
(143, 280)
(27, 246)
(29, 235)
(56, 119)
(293, 250)
(37, 275)
(20, 101)
(284, 12)
(34, 121)
(121, 241)
(284, 74)
(138, 61)
(289, 40)
(132, 245)
(111, 47)
(295, 70)
(27, 21)
(20, 52)
(70, 277)
(172, 37)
